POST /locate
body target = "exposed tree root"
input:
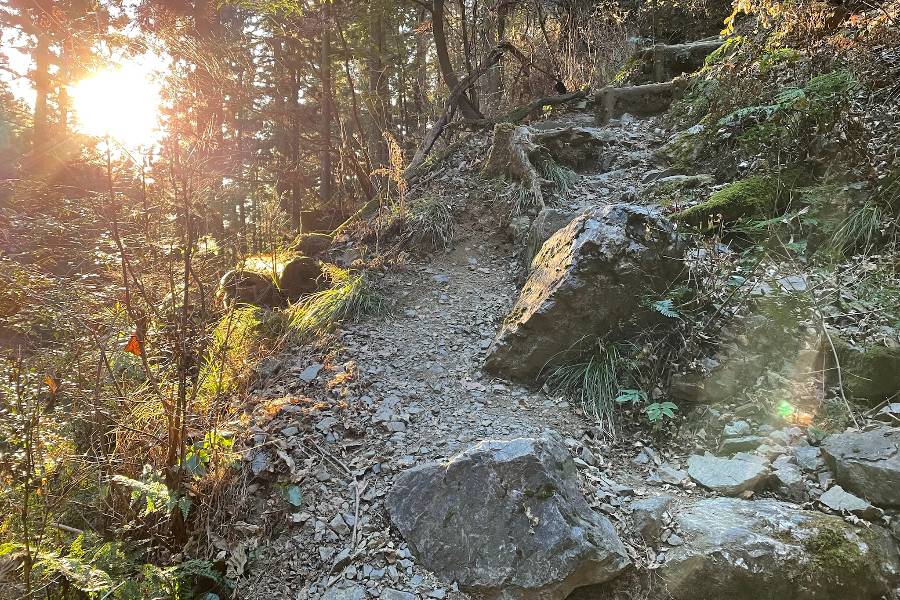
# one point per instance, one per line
(511, 158)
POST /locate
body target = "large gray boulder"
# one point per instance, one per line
(545, 224)
(771, 550)
(506, 519)
(728, 476)
(587, 282)
(867, 463)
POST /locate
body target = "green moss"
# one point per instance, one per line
(629, 70)
(830, 84)
(759, 137)
(700, 95)
(832, 554)
(776, 56)
(727, 49)
(752, 197)
(685, 149)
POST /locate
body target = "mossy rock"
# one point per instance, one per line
(765, 549)
(313, 244)
(248, 287)
(684, 149)
(870, 374)
(300, 276)
(754, 197)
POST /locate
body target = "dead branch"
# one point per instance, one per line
(438, 128)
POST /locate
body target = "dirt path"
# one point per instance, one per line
(410, 389)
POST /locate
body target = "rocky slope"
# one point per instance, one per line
(386, 462)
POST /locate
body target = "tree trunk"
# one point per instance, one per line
(378, 90)
(469, 110)
(420, 82)
(41, 126)
(325, 190)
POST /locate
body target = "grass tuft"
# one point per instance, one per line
(430, 219)
(561, 177)
(593, 383)
(859, 230)
(351, 297)
(243, 336)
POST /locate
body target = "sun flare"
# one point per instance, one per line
(122, 103)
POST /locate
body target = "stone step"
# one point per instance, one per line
(640, 100)
(664, 62)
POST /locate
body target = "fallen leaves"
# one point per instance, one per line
(134, 345)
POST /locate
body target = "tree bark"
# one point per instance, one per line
(325, 190)
(41, 126)
(468, 110)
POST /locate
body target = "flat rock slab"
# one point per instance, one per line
(789, 484)
(770, 550)
(728, 476)
(506, 519)
(867, 463)
(844, 502)
(345, 592)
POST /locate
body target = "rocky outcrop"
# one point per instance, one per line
(300, 276)
(506, 519)
(867, 463)
(247, 287)
(587, 282)
(749, 550)
(577, 148)
(548, 222)
(869, 373)
(647, 515)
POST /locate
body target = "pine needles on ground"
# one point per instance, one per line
(351, 297)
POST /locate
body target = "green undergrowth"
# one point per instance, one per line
(560, 177)
(243, 336)
(95, 568)
(820, 99)
(833, 220)
(603, 379)
(351, 297)
(593, 383)
(724, 52)
(629, 71)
